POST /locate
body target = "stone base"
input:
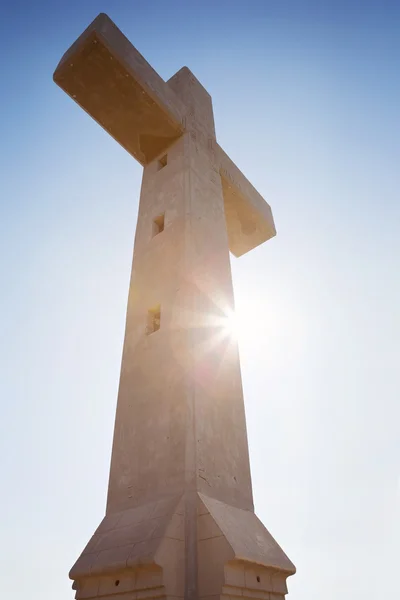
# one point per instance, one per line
(140, 553)
(237, 556)
(144, 583)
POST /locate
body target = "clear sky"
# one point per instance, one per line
(306, 99)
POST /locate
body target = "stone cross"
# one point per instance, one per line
(180, 520)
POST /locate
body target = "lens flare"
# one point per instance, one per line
(230, 324)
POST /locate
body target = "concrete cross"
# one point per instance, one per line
(180, 520)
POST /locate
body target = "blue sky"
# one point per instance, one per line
(306, 98)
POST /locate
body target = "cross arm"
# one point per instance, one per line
(249, 217)
(105, 74)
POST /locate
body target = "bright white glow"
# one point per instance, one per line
(230, 324)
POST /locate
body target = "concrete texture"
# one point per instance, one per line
(179, 519)
(115, 85)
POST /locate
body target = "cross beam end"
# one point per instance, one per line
(249, 219)
(105, 74)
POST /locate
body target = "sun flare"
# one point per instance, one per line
(230, 324)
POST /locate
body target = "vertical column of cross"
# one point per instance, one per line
(148, 459)
(223, 469)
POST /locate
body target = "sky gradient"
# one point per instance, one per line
(306, 98)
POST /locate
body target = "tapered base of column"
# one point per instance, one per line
(140, 553)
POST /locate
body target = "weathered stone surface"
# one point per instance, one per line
(179, 520)
(249, 218)
(247, 536)
(112, 81)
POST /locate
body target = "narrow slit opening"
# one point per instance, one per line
(153, 319)
(162, 162)
(158, 224)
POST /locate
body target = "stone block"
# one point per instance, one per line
(207, 527)
(88, 588)
(112, 81)
(249, 219)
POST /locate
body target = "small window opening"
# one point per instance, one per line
(162, 162)
(153, 319)
(117, 582)
(258, 578)
(158, 224)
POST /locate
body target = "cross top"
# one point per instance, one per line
(114, 84)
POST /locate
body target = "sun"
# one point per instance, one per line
(230, 325)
